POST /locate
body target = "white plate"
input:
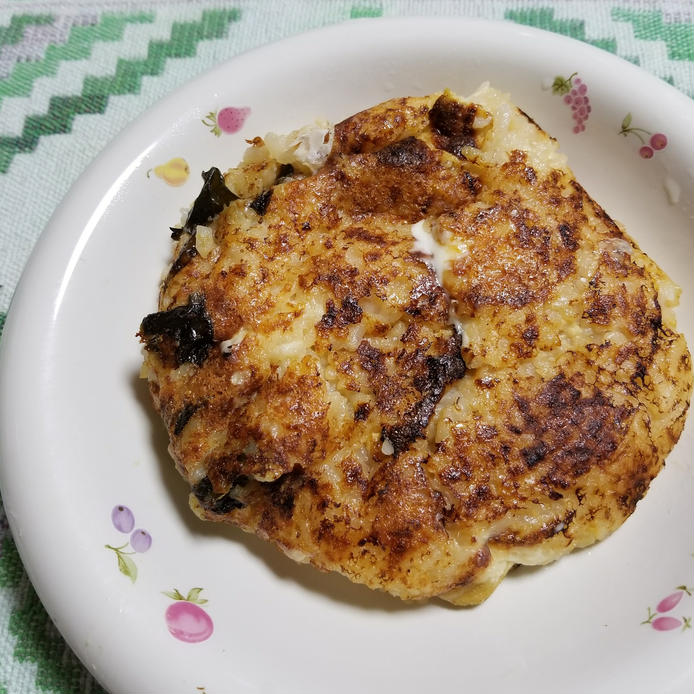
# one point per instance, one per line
(78, 436)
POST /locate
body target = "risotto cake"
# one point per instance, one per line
(412, 349)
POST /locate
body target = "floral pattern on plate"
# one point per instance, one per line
(229, 119)
(575, 93)
(123, 520)
(185, 619)
(659, 621)
(656, 141)
(174, 172)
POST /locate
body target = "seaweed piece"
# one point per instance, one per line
(284, 171)
(261, 202)
(188, 252)
(211, 200)
(186, 331)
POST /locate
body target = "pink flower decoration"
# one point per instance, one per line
(666, 604)
(666, 623)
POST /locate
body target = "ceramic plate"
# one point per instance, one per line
(78, 437)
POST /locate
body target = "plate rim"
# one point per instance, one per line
(54, 232)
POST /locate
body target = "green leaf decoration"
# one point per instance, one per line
(210, 120)
(626, 122)
(127, 566)
(559, 86)
(650, 617)
(173, 594)
(194, 596)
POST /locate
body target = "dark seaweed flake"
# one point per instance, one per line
(211, 200)
(187, 329)
(261, 202)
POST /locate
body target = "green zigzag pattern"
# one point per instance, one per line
(13, 33)
(58, 669)
(649, 26)
(359, 11)
(127, 79)
(543, 18)
(78, 46)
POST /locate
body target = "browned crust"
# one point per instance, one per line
(382, 456)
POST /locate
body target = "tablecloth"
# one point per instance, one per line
(74, 73)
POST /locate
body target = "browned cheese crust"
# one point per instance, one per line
(421, 434)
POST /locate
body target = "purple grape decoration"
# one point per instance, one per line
(575, 92)
(123, 519)
(140, 540)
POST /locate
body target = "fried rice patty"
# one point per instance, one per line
(417, 418)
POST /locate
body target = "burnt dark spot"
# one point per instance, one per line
(260, 202)
(516, 297)
(568, 237)
(486, 432)
(325, 528)
(566, 268)
(600, 308)
(184, 332)
(349, 313)
(329, 317)
(371, 359)
(306, 226)
(532, 455)
(452, 473)
(440, 371)
(427, 297)
(472, 182)
(282, 497)
(226, 504)
(573, 432)
(203, 490)
(184, 415)
(535, 238)
(559, 393)
(371, 237)
(409, 153)
(361, 413)
(530, 335)
(212, 502)
(211, 200)
(452, 123)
